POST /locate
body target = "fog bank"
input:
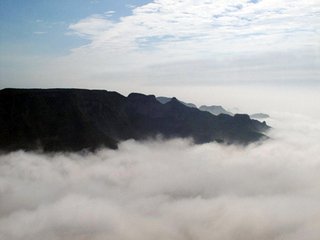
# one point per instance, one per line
(169, 190)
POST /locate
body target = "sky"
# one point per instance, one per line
(162, 46)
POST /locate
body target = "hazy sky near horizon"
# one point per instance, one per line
(143, 45)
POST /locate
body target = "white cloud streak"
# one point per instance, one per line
(91, 26)
(169, 190)
(173, 33)
(186, 42)
(193, 26)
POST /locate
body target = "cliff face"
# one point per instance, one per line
(76, 119)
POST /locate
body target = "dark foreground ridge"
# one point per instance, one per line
(77, 119)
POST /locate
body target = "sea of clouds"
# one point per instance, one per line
(172, 190)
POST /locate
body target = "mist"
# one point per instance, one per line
(169, 189)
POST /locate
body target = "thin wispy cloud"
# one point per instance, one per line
(39, 33)
(173, 33)
(191, 42)
(209, 25)
(91, 27)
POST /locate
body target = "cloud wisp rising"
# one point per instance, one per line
(168, 190)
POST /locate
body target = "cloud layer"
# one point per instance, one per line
(168, 190)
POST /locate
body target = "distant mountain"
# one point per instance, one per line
(76, 119)
(259, 116)
(165, 100)
(215, 110)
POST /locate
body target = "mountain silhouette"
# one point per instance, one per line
(165, 100)
(77, 119)
(215, 110)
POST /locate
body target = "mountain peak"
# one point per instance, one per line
(138, 96)
(76, 119)
(165, 100)
(215, 110)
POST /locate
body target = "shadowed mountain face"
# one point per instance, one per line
(215, 110)
(75, 119)
(165, 100)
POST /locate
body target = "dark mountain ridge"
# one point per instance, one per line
(77, 119)
(215, 110)
(165, 100)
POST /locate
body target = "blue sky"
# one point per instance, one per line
(40, 26)
(149, 45)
